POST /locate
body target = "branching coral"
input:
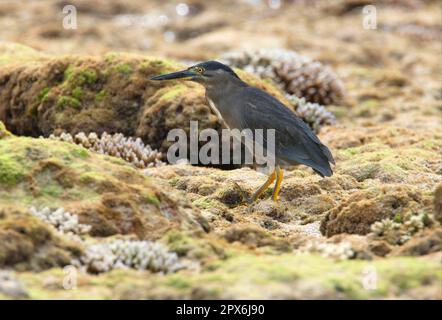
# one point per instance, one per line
(338, 251)
(122, 254)
(315, 115)
(129, 149)
(296, 74)
(116, 254)
(63, 221)
(400, 230)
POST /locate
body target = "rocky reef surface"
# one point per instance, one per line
(82, 217)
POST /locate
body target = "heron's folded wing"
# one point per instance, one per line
(294, 140)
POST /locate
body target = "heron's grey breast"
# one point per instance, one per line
(217, 112)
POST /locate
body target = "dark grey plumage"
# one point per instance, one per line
(254, 109)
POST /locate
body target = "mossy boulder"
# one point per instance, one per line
(111, 93)
(363, 208)
(105, 192)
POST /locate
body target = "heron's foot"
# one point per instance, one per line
(244, 195)
(279, 176)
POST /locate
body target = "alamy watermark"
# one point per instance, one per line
(70, 277)
(70, 17)
(370, 17)
(237, 147)
(369, 278)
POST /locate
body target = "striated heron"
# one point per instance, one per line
(240, 106)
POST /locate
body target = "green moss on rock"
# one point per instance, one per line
(65, 101)
(100, 96)
(43, 94)
(104, 193)
(124, 68)
(11, 172)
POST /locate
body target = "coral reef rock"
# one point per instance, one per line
(63, 221)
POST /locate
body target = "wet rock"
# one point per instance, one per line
(298, 189)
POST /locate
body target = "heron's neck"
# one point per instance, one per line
(222, 89)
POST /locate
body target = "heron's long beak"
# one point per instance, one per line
(174, 75)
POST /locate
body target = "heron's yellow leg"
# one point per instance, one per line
(259, 191)
(279, 175)
(264, 186)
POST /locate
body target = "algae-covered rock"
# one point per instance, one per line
(388, 154)
(106, 193)
(104, 94)
(363, 208)
(341, 204)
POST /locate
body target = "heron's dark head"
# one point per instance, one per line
(206, 73)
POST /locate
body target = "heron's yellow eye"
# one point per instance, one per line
(199, 70)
